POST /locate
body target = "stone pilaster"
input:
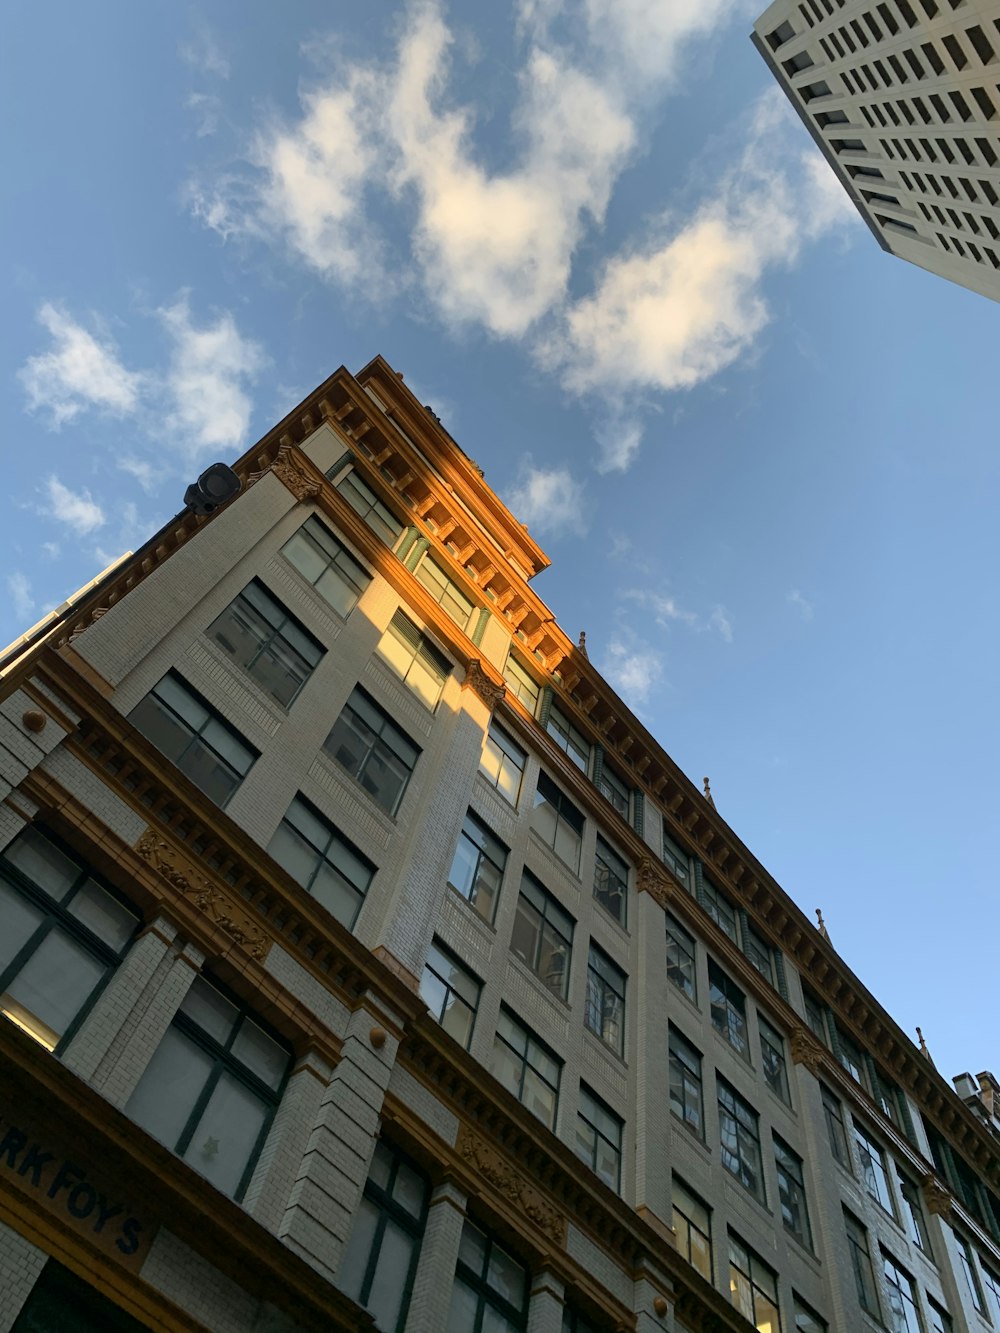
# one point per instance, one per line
(431, 1297)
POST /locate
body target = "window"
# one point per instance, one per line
(753, 1287)
(680, 958)
(792, 1192)
(491, 1289)
(719, 908)
(380, 1258)
(772, 1052)
(543, 935)
(521, 685)
(675, 859)
(806, 1318)
(502, 762)
(605, 1011)
(599, 1138)
(61, 1300)
(991, 1286)
(375, 752)
(759, 953)
(969, 1268)
(729, 1014)
(526, 1067)
(413, 656)
(903, 1316)
(861, 1265)
(568, 738)
(62, 934)
(740, 1140)
(852, 1058)
(448, 595)
(692, 1223)
(887, 1095)
(940, 1318)
(834, 1116)
(558, 822)
(913, 1213)
(815, 1016)
(183, 727)
(574, 1322)
(614, 790)
(610, 881)
(267, 643)
(478, 866)
(323, 561)
(873, 1168)
(212, 1086)
(451, 993)
(685, 1083)
(360, 496)
(322, 860)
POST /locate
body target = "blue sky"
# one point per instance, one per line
(760, 452)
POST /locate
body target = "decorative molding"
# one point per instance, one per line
(388, 959)
(194, 886)
(649, 878)
(494, 1167)
(937, 1197)
(806, 1050)
(480, 683)
(288, 468)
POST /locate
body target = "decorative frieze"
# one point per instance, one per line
(806, 1050)
(515, 1188)
(480, 683)
(649, 878)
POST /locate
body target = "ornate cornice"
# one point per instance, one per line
(649, 878)
(293, 470)
(494, 1167)
(483, 685)
(219, 907)
(938, 1199)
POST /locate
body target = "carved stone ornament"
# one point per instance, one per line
(937, 1197)
(479, 682)
(650, 879)
(193, 886)
(495, 1168)
(287, 467)
(806, 1050)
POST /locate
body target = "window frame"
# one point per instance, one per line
(803, 1311)
(745, 1136)
(774, 1066)
(791, 1183)
(683, 1233)
(449, 957)
(276, 635)
(565, 812)
(389, 731)
(334, 835)
(616, 878)
(224, 1062)
(352, 480)
(56, 916)
(569, 738)
(444, 590)
(196, 736)
(530, 1041)
(865, 1282)
(509, 744)
(914, 1222)
(600, 983)
(720, 907)
(409, 636)
(674, 857)
(729, 1011)
(689, 1080)
(552, 919)
(523, 684)
(615, 790)
(482, 854)
(478, 1283)
(900, 1283)
(347, 566)
(754, 1270)
(971, 1276)
(833, 1115)
(871, 1157)
(673, 927)
(602, 1109)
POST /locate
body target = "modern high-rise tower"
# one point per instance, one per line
(366, 963)
(903, 99)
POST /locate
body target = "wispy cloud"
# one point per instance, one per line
(208, 108)
(635, 670)
(204, 53)
(548, 500)
(804, 607)
(667, 611)
(80, 370)
(74, 508)
(210, 369)
(19, 592)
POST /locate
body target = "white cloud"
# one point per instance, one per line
(802, 604)
(145, 473)
(76, 509)
(208, 109)
(634, 671)
(79, 371)
(721, 620)
(19, 591)
(549, 499)
(51, 549)
(674, 312)
(667, 611)
(204, 54)
(210, 366)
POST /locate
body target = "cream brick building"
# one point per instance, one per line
(369, 965)
(903, 99)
